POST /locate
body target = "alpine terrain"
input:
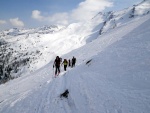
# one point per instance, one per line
(112, 72)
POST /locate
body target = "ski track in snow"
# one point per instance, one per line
(52, 101)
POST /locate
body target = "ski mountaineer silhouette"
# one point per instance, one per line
(57, 66)
(65, 62)
(73, 61)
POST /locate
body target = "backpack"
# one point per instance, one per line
(65, 62)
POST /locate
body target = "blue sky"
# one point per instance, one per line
(35, 13)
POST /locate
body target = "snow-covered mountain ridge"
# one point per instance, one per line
(111, 73)
(112, 19)
(40, 30)
(26, 50)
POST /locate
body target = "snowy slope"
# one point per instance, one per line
(24, 51)
(115, 81)
(111, 20)
(32, 49)
(111, 75)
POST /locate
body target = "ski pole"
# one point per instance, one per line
(53, 70)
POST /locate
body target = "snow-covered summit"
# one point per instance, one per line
(142, 8)
(111, 20)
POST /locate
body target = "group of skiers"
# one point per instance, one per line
(58, 61)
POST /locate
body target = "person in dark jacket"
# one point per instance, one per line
(69, 63)
(57, 65)
(73, 61)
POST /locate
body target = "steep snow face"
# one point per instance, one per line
(112, 20)
(143, 8)
(26, 50)
(111, 76)
(115, 74)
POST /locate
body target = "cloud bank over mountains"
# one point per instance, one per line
(16, 22)
(85, 11)
(41, 14)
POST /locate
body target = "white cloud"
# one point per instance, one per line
(85, 11)
(89, 8)
(37, 15)
(59, 18)
(16, 22)
(2, 22)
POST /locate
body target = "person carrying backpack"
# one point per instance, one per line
(73, 61)
(57, 66)
(65, 62)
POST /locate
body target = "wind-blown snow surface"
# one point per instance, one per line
(23, 51)
(116, 80)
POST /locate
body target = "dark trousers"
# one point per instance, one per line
(73, 64)
(65, 67)
(57, 71)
